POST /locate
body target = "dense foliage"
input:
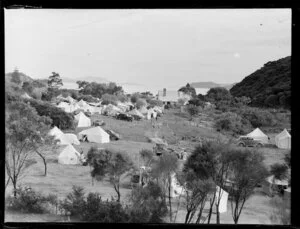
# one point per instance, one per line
(188, 89)
(269, 86)
(60, 118)
(98, 89)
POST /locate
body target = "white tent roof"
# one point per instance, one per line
(136, 112)
(26, 96)
(283, 140)
(143, 110)
(271, 180)
(69, 155)
(72, 138)
(95, 134)
(59, 135)
(82, 120)
(259, 135)
(70, 99)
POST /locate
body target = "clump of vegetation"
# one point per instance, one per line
(97, 90)
(280, 171)
(29, 201)
(154, 102)
(140, 103)
(217, 94)
(111, 164)
(109, 99)
(231, 122)
(134, 97)
(269, 86)
(59, 118)
(189, 90)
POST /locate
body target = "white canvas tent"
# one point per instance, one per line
(223, 195)
(143, 110)
(82, 120)
(63, 105)
(111, 110)
(95, 134)
(59, 135)
(176, 188)
(69, 156)
(283, 140)
(84, 106)
(72, 138)
(26, 96)
(137, 113)
(257, 134)
(70, 99)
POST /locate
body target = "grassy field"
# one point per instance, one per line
(173, 126)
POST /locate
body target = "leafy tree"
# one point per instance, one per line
(218, 93)
(147, 204)
(247, 171)
(209, 165)
(24, 130)
(109, 99)
(104, 162)
(54, 81)
(134, 97)
(231, 122)
(188, 89)
(141, 103)
(162, 170)
(74, 203)
(196, 193)
(192, 111)
(196, 102)
(60, 118)
(99, 89)
(280, 171)
(15, 77)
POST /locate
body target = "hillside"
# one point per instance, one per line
(269, 86)
(23, 77)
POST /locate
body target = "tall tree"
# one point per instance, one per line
(15, 77)
(23, 132)
(188, 89)
(162, 170)
(247, 171)
(112, 164)
(54, 81)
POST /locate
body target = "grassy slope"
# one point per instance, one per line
(60, 178)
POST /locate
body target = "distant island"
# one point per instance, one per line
(210, 85)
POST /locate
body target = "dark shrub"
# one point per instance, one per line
(109, 99)
(27, 201)
(60, 118)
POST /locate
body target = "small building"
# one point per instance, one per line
(171, 97)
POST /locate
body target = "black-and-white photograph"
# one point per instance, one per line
(170, 116)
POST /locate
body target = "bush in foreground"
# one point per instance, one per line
(30, 201)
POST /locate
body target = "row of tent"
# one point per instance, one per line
(282, 140)
(70, 105)
(68, 154)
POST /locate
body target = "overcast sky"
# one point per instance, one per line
(157, 48)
